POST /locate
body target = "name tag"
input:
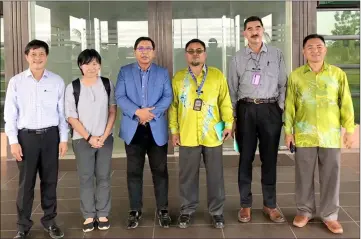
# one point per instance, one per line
(256, 78)
(197, 105)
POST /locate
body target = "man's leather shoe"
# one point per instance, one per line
(334, 226)
(273, 214)
(300, 221)
(54, 232)
(218, 221)
(244, 215)
(21, 235)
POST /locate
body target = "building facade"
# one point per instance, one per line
(112, 27)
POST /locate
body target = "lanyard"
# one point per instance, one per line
(199, 90)
(256, 63)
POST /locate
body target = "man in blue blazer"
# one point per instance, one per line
(144, 93)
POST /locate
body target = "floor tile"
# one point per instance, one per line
(257, 216)
(319, 230)
(191, 232)
(350, 199)
(350, 186)
(9, 207)
(258, 231)
(353, 212)
(68, 233)
(290, 213)
(349, 174)
(122, 232)
(8, 222)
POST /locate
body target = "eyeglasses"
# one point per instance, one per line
(145, 49)
(197, 51)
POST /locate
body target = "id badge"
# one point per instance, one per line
(197, 105)
(256, 78)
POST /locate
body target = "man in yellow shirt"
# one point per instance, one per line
(318, 103)
(201, 100)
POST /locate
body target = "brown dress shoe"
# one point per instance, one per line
(273, 214)
(334, 226)
(244, 215)
(300, 221)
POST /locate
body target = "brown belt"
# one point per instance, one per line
(259, 101)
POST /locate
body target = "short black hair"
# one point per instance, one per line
(143, 39)
(195, 40)
(252, 19)
(36, 44)
(86, 56)
(313, 36)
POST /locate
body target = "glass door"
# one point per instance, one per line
(220, 25)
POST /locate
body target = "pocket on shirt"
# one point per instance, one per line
(49, 98)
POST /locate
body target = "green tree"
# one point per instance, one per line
(346, 51)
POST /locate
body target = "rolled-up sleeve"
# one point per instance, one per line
(11, 113)
(233, 84)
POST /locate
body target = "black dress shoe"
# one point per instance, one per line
(21, 235)
(54, 232)
(218, 221)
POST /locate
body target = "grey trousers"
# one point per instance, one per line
(94, 166)
(189, 164)
(328, 161)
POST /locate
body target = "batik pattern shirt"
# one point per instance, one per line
(317, 106)
(197, 127)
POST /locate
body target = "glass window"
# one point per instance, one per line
(344, 52)
(338, 22)
(70, 27)
(220, 25)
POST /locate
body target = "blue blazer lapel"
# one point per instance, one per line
(137, 80)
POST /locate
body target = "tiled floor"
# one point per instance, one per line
(70, 220)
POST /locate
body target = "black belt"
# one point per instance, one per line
(38, 131)
(259, 101)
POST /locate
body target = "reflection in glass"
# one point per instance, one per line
(70, 27)
(220, 25)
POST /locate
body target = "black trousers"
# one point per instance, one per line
(143, 143)
(40, 152)
(262, 122)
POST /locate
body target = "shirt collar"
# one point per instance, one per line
(29, 73)
(307, 67)
(145, 70)
(263, 48)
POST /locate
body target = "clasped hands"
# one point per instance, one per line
(97, 141)
(145, 115)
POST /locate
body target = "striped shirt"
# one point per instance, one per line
(33, 104)
(269, 64)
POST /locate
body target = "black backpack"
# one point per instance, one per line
(76, 92)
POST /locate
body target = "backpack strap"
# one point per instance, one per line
(106, 83)
(76, 91)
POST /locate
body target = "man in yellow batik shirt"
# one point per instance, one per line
(318, 103)
(201, 100)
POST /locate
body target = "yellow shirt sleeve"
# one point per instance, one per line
(346, 106)
(173, 110)
(225, 104)
(290, 106)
